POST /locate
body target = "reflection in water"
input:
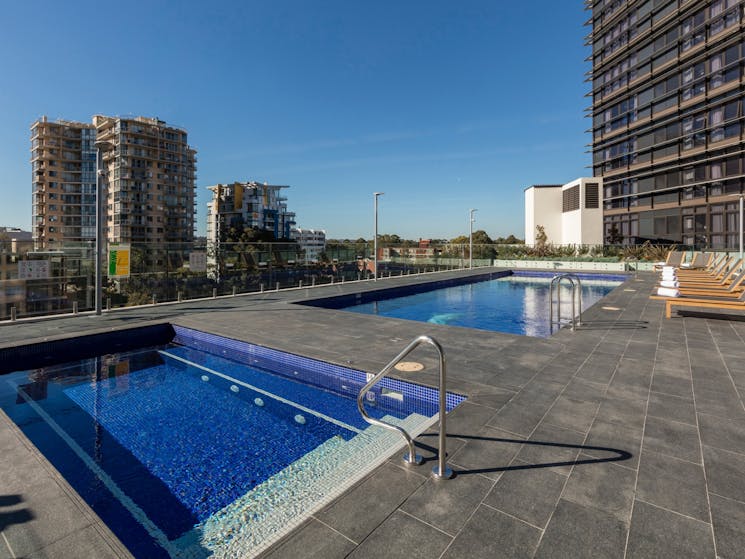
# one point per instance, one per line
(516, 305)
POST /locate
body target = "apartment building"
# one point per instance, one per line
(667, 118)
(250, 204)
(149, 181)
(63, 175)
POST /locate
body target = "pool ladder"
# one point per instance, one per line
(441, 471)
(576, 313)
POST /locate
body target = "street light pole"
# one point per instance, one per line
(375, 242)
(99, 222)
(471, 219)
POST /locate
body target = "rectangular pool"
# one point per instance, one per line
(510, 302)
(206, 446)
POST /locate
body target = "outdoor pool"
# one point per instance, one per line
(207, 446)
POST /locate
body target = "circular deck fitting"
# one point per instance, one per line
(409, 366)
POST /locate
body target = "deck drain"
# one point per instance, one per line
(629, 289)
(409, 366)
(610, 308)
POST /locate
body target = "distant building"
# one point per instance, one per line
(311, 241)
(251, 204)
(150, 181)
(570, 214)
(424, 249)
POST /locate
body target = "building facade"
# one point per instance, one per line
(570, 214)
(252, 205)
(667, 112)
(149, 181)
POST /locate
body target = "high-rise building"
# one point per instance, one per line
(251, 205)
(63, 175)
(149, 178)
(667, 112)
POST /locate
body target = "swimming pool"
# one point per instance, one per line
(510, 302)
(207, 446)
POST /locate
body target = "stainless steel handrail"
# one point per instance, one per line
(441, 471)
(576, 318)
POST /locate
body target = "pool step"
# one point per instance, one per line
(253, 522)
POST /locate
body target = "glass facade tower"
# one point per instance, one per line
(667, 118)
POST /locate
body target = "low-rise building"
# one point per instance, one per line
(570, 214)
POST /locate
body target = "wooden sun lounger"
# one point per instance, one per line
(709, 303)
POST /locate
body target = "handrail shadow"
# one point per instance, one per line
(620, 455)
(19, 516)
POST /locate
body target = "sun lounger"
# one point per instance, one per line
(705, 302)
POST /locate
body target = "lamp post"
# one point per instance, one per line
(100, 146)
(375, 242)
(471, 219)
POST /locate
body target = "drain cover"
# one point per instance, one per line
(409, 366)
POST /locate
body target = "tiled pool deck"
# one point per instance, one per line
(623, 439)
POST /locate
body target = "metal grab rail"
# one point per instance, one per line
(441, 471)
(576, 317)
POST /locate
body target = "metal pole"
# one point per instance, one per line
(375, 242)
(470, 238)
(99, 234)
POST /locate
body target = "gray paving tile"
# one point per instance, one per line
(671, 438)
(721, 404)
(603, 486)
(580, 532)
(312, 539)
(83, 543)
(529, 493)
(489, 452)
(725, 472)
(662, 534)
(448, 504)
(52, 517)
(572, 413)
(673, 484)
(402, 536)
(727, 434)
(491, 534)
(613, 440)
(625, 412)
(673, 408)
(360, 510)
(467, 418)
(675, 386)
(553, 446)
(728, 517)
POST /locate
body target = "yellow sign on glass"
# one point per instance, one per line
(119, 261)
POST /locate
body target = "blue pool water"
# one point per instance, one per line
(160, 440)
(515, 304)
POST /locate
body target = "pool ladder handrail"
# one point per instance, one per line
(441, 471)
(576, 317)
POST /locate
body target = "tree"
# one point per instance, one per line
(614, 236)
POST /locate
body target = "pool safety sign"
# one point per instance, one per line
(118, 260)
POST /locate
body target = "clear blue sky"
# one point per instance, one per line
(443, 105)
